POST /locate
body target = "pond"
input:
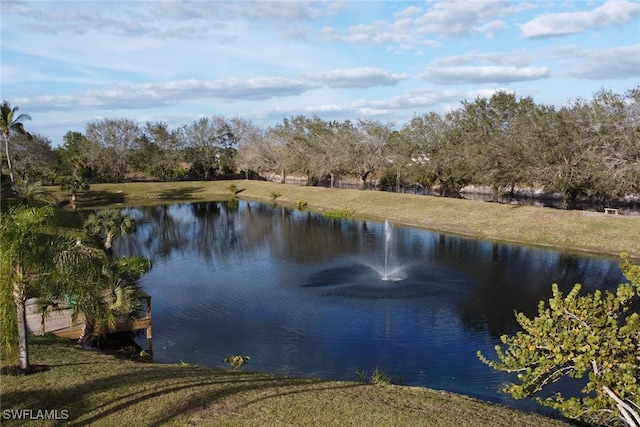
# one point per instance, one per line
(308, 296)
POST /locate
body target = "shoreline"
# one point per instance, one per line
(584, 232)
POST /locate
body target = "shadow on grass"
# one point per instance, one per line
(161, 392)
(185, 193)
(100, 198)
(67, 219)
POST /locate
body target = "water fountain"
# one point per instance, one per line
(389, 274)
(386, 277)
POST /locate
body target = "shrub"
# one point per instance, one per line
(236, 361)
(594, 335)
(362, 376)
(337, 214)
(380, 378)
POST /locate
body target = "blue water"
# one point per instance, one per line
(302, 295)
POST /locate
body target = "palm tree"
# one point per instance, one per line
(110, 222)
(74, 184)
(44, 307)
(28, 191)
(11, 122)
(25, 261)
(108, 292)
(40, 264)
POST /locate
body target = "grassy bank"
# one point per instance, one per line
(98, 389)
(569, 230)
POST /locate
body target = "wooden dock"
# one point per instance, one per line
(59, 322)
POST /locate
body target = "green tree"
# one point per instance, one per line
(110, 223)
(73, 155)
(211, 145)
(108, 292)
(159, 150)
(595, 335)
(398, 155)
(25, 261)
(368, 148)
(427, 133)
(298, 149)
(591, 149)
(74, 185)
(495, 131)
(334, 144)
(11, 123)
(30, 191)
(284, 149)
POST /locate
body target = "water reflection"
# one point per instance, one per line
(300, 293)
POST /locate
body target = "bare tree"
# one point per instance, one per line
(211, 144)
(32, 156)
(249, 137)
(112, 142)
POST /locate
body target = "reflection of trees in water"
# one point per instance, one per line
(308, 238)
(498, 279)
(161, 230)
(516, 278)
(221, 229)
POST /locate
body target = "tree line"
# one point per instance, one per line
(586, 150)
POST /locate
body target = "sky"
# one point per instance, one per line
(68, 63)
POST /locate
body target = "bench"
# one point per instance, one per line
(611, 211)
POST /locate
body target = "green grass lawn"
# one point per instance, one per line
(99, 389)
(568, 230)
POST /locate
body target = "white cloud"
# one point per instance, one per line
(618, 63)
(380, 32)
(408, 12)
(358, 78)
(273, 10)
(413, 99)
(153, 95)
(491, 28)
(483, 74)
(447, 18)
(162, 19)
(613, 12)
(485, 67)
(519, 58)
(460, 18)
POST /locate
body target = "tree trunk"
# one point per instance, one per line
(283, 177)
(398, 182)
(21, 317)
(363, 178)
(87, 338)
(108, 241)
(332, 179)
(6, 149)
